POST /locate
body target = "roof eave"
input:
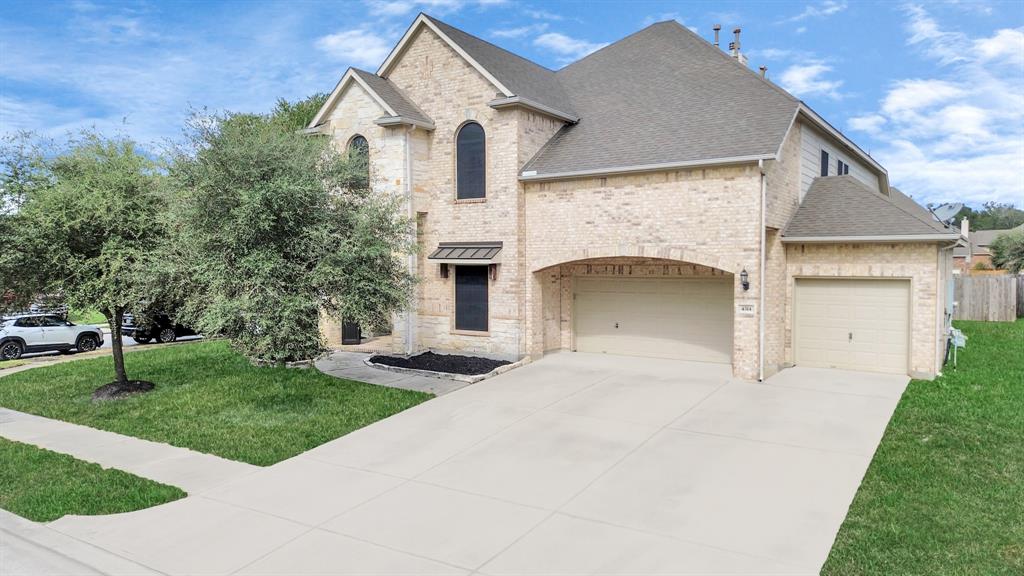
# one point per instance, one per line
(832, 131)
(349, 76)
(510, 101)
(870, 239)
(403, 121)
(533, 176)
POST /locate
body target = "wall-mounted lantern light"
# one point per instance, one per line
(744, 280)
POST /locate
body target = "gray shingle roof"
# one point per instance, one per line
(392, 95)
(660, 96)
(523, 77)
(842, 206)
(978, 241)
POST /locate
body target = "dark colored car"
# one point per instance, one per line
(159, 327)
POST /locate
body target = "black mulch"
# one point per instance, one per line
(116, 390)
(450, 363)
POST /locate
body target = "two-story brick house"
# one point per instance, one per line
(655, 198)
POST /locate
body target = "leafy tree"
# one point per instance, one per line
(22, 169)
(271, 227)
(993, 216)
(1008, 251)
(297, 115)
(88, 227)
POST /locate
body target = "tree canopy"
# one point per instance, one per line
(1008, 251)
(993, 216)
(272, 227)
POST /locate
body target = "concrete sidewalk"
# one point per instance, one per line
(189, 470)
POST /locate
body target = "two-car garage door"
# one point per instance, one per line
(688, 319)
(852, 324)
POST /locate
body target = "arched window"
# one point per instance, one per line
(470, 180)
(359, 155)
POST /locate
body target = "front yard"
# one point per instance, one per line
(210, 399)
(945, 491)
(42, 485)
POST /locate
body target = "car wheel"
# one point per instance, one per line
(11, 350)
(166, 335)
(142, 339)
(87, 343)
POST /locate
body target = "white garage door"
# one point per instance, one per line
(687, 319)
(852, 324)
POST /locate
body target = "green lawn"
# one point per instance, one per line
(41, 485)
(210, 399)
(945, 491)
(87, 317)
(12, 363)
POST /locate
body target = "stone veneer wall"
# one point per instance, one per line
(916, 262)
(452, 93)
(706, 216)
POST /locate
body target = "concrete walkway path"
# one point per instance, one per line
(350, 365)
(189, 470)
(574, 464)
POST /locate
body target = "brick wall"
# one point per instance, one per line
(916, 262)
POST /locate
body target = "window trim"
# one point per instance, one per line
(455, 164)
(455, 305)
(824, 162)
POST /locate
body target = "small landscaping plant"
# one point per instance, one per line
(42, 485)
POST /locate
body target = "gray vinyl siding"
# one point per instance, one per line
(812, 143)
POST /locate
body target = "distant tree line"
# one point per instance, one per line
(992, 216)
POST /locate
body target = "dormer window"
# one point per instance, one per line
(470, 178)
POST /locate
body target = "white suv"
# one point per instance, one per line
(43, 333)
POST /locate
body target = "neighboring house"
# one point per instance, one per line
(974, 252)
(655, 198)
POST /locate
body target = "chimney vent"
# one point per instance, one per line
(716, 28)
(764, 71)
(736, 32)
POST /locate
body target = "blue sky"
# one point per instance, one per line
(934, 90)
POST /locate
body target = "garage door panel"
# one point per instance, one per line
(668, 318)
(874, 312)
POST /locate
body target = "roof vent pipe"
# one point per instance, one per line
(716, 28)
(764, 71)
(736, 44)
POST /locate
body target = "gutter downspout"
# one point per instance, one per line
(760, 278)
(410, 319)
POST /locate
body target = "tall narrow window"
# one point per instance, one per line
(471, 298)
(359, 156)
(824, 163)
(842, 167)
(470, 169)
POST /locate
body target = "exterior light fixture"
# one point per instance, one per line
(745, 280)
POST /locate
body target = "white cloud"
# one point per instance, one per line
(566, 47)
(872, 123)
(542, 14)
(808, 79)
(520, 31)
(359, 47)
(957, 135)
(821, 10)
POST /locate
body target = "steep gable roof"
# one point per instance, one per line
(399, 108)
(842, 208)
(511, 74)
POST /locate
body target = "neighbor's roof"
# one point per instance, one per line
(393, 96)
(521, 76)
(980, 240)
(664, 95)
(842, 208)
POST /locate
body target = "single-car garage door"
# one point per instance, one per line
(852, 324)
(688, 319)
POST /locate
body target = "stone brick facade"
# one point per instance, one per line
(687, 222)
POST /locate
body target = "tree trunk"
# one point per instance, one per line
(115, 344)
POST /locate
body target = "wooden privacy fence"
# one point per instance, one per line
(990, 298)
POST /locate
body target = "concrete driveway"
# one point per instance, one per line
(575, 464)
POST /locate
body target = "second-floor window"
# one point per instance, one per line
(470, 179)
(824, 163)
(842, 167)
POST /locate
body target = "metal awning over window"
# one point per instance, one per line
(466, 253)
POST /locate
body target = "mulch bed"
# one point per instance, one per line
(450, 363)
(116, 390)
